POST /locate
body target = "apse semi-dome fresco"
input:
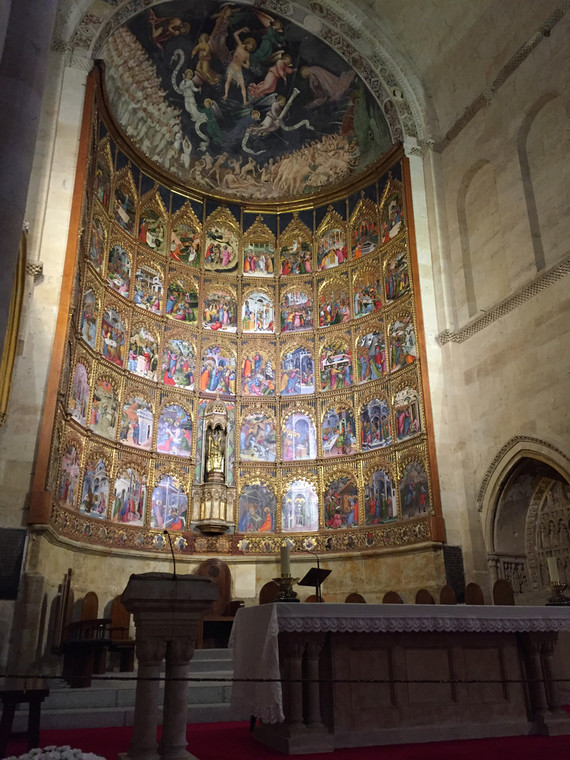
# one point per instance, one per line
(240, 373)
(236, 100)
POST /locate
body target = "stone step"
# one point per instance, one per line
(111, 698)
(108, 717)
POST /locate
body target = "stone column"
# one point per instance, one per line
(532, 645)
(150, 653)
(22, 77)
(173, 743)
(547, 647)
(314, 646)
(166, 610)
(293, 649)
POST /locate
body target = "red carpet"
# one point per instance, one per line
(233, 741)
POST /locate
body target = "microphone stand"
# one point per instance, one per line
(167, 534)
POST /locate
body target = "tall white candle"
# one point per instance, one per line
(285, 562)
(553, 569)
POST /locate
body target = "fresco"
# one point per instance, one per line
(95, 492)
(143, 354)
(169, 505)
(296, 311)
(185, 243)
(375, 428)
(218, 371)
(129, 497)
(341, 503)
(152, 230)
(258, 258)
(221, 252)
(334, 302)
(336, 365)
(403, 347)
(297, 372)
(407, 411)
(179, 364)
(256, 509)
(379, 498)
(104, 410)
(332, 249)
(257, 313)
(257, 438)
(414, 491)
(220, 311)
(181, 301)
(299, 507)
(79, 394)
(102, 185)
(174, 432)
(136, 423)
(256, 106)
(149, 288)
(125, 207)
(338, 432)
(97, 244)
(298, 438)
(113, 335)
(257, 374)
(371, 356)
(119, 270)
(367, 292)
(364, 237)
(296, 257)
(88, 319)
(391, 218)
(397, 276)
(69, 475)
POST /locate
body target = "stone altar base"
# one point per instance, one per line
(332, 677)
(167, 610)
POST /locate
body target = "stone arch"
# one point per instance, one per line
(527, 483)
(539, 191)
(485, 280)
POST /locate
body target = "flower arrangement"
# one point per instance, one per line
(56, 753)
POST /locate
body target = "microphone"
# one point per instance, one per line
(167, 534)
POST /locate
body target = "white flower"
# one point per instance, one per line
(56, 753)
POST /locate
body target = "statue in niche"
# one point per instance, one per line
(215, 453)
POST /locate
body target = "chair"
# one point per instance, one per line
(447, 596)
(473, 594)
(215, 626)
(268, 592)
(120, 636)
(391, 597)
(355, 598)
(312, 599)
(503, 593)
(86, 643)
(424, 597)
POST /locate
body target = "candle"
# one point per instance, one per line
(553, 569)
(285, 564)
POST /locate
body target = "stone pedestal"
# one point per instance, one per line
(166, 610)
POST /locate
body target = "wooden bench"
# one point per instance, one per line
(14, 691)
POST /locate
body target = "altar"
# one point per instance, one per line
(324, 676)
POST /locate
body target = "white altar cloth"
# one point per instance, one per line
(254, 637)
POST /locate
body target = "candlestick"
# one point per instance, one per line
(553, 569)
(285, 560)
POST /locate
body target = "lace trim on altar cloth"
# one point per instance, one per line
(421, 618)
(415, 625)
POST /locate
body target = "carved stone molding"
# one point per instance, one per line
(533, 443)
(543, 281)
